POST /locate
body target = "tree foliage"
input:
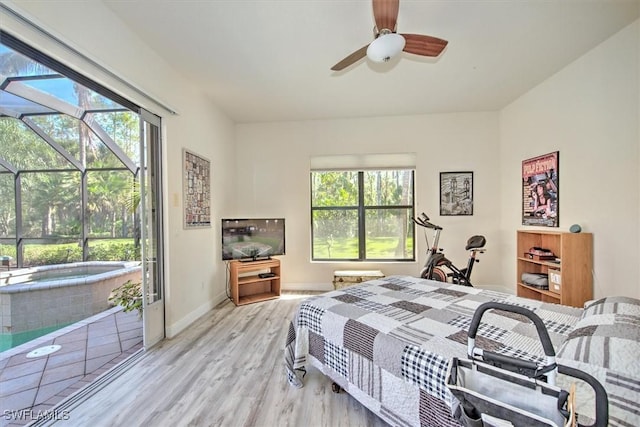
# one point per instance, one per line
(50, 186)
(337, 202)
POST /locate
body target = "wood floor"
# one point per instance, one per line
(225, 370)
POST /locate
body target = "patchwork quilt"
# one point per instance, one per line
(388, 342)
(606, 343)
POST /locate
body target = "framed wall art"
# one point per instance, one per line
(456, 193)
(196, 177)
(540, 190)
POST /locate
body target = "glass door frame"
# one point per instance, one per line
(152, 229)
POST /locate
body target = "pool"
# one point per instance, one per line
(34, 301)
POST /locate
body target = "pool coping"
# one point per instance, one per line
(11, 288)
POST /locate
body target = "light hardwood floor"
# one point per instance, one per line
(225, 370)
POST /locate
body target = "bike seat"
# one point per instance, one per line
(475, 242)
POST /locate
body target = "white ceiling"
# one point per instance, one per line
(270, 60)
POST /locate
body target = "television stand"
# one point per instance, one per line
(255, 259)
(246, 284)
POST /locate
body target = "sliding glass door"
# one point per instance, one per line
(151, 229)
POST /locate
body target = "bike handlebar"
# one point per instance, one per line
(423, 221)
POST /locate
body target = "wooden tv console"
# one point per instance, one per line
(248, 287)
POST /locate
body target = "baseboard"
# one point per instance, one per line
(182, 324)
(318, 287)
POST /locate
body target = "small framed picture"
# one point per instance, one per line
(456, 193)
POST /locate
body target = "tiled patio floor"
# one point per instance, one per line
(89, 349)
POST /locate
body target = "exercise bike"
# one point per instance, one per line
(436, 262)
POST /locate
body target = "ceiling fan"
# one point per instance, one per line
(387, 42)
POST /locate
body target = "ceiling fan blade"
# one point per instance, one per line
(419, 44)
(385, 13)
(354, 57)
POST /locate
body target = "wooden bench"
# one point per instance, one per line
(344, 278)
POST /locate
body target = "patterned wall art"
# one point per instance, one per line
(196, 177)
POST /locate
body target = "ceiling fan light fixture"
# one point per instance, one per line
(385, 47)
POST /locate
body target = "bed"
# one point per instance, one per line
(388, 342)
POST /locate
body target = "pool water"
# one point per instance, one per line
(8, 341)
(59, 276)
(36, 301)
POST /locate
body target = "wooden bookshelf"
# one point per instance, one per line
(571, 279)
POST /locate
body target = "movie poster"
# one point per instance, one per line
(540, 195)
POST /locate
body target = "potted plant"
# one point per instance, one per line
(129, 296)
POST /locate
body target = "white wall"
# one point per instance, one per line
(195, 276)
(589, 112)
(273, 180)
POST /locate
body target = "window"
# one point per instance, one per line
(362, 215)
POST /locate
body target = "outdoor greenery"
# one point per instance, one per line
(50, 190)
(69, 191)
(129, 296)
(387, 202)
(62, 253)
(68, 182)
(377, 248)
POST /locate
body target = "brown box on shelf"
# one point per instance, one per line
(555, 280)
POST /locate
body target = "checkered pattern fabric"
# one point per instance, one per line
(336, 358)
(310, 317)
(425, 369)
(388, 342)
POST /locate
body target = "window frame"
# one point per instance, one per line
(361, 208)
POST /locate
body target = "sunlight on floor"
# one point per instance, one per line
(298, 294)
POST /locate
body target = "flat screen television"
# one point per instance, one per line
(252, 239)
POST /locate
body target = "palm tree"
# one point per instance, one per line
(15, 64)
(52, 203)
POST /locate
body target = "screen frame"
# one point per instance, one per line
(261, 219)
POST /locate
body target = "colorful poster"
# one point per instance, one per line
(540, 190)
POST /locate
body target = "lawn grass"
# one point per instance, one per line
(376, 248)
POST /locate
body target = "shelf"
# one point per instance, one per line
(555, 265)
(573, 274)
(253, 279)
(249, 299)
(247, 287)
(541, 291)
